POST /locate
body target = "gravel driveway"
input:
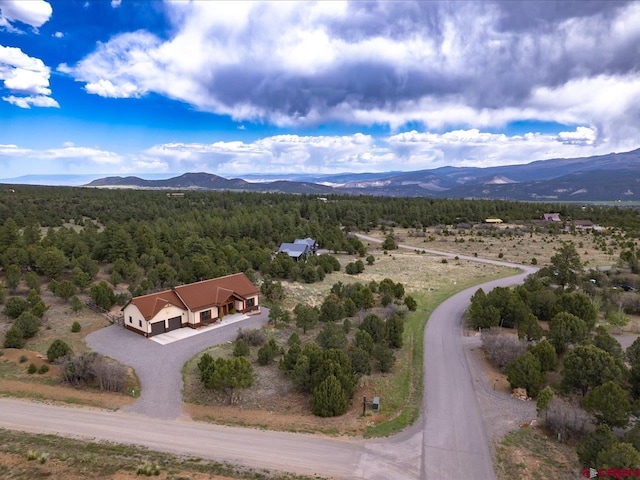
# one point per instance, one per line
(159, 367)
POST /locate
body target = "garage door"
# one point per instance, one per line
(157, 328)
(175, 323)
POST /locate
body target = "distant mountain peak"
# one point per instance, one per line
(604, 177)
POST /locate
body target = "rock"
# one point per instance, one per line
(520, 394)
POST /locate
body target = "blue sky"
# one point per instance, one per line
(139, 87)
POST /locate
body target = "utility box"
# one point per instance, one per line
(376, 404)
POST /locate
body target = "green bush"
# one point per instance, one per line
(76, 327)
(28, 323)
(268, 353)
(44, 368)
(57, 350)
(23, 358)
(240, 349)
(31, 369)
(14, 338)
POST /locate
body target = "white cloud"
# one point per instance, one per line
(410, 150)
(58, 35)
(116, 3)
(105, 88)
(23, 74)
(292, 62)
(33, 12)
(68, 152)
(28, 102)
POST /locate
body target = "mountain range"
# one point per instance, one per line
(612, 177)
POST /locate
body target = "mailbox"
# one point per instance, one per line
(376, 404)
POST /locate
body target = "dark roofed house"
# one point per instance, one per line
(313, 245)
(192, 305)
(297, 251)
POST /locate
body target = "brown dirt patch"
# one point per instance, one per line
(290, 413)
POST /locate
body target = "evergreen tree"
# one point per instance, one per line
(329, 398)
(609, 404)
(525, 372)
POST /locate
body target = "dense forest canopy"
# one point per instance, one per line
(152, 240)
(276, 214)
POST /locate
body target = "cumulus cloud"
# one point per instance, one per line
(34, 13)
(22, 74)
(455, 66)
(408, 150)
(68, 152)
(275, 154)
(116, 3)
(367, 62)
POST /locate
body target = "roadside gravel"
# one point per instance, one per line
(501, 413)
(159, 367)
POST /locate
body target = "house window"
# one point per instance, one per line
(251, 302)
(206, 315)
(140, 323)
(130, 320)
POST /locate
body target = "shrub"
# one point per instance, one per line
(58, 349)
(294, 339)
(619, 455)
(148, 470)
(410, 302)
(546, 355)
(110, 376)
(567, 420)
(15, 306)
(253, 337)
(23, 358)
(76, 327)
(240, 349)
(14, 338)
(329, 398)
(332, 335)
(44, 368)
(593, 443)
(502, 349)
(102, 295)
(383, 358)
(268, 353)
(31, 369)
(525, 372)
(29, 324)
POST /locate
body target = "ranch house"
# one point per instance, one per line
(193, 305)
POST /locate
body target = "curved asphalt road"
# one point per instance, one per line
(448, 442)
(455, 443)
(159, 367)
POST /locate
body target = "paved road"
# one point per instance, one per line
(159, 367)
(448, 442)
(455, 443)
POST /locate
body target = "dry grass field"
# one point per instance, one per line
(512, 243)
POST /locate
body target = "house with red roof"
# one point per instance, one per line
(193, 305)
